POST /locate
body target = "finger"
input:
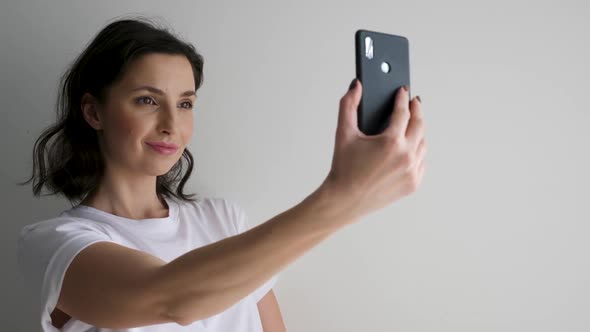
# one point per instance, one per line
(420, 171)
(401, 114)
(415, 130)
(347, 120)
(421, 150)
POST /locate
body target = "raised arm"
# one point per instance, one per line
(135, 289)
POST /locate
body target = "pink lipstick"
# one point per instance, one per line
(163, 147)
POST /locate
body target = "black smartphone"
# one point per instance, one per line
(383, 67)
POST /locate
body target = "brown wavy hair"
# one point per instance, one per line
(66, 156)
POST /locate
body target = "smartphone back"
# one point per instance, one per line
(382, 66)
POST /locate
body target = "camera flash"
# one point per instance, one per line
(369, 47)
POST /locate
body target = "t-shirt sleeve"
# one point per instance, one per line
(243, 224)
(45, 250)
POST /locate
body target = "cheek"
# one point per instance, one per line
(125, 131)
(186, 127)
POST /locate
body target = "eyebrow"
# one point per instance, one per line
(160, 92)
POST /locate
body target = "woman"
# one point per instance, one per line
(136, 253)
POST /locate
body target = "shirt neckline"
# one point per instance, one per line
(171, 217)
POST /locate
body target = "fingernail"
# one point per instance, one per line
(352, 84)
(420, 100)
(405, 88)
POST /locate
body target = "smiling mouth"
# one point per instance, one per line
(166, 149)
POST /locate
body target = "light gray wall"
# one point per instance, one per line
(496, 238)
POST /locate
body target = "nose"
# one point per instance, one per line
(168, 119)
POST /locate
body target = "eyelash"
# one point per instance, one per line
(138, 101)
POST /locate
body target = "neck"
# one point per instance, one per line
(131, 196)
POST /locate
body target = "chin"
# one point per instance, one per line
(158, 169)
(157, 165)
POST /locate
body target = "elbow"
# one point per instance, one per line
(185, 306)
(186, 309)
(191, 308)
(173, 318)
(177, 313)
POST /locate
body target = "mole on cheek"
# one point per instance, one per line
(130, 133)
(126, 128)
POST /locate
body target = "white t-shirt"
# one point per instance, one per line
(46, 248)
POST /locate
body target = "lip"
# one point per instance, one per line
(163, 147)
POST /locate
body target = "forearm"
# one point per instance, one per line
(210, 279)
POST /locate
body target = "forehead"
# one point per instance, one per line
(165, 71)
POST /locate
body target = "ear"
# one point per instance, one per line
(90, 107)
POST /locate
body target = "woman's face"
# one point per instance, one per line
(149, 108)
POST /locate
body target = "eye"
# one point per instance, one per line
(188, 104)
(144, 99)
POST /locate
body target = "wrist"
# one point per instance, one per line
(334, 205)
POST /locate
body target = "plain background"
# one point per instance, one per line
(495, 239)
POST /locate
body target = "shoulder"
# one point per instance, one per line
(60, 225)
(44, 238)
(45, 248)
